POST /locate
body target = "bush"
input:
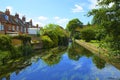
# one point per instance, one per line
(24, 38)
(25, 50)
(57, 34)
(5, 42)
(47, 42)
(88, 34)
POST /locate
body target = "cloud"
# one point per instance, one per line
(61, 21)
(10, 8)
(38, 22)
(56, 18)
(42, 18)
(77, 9)
(93, 4)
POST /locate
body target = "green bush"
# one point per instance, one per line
(57, 34)
(5, 42)
(88, 34)
(25, 50)
(47, 42)
(24, 38)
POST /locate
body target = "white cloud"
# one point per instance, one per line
(10, 8)
(56, 18)
(38, 22)
(61, 21)
(93, 4)
(42, 18)
(77, 8)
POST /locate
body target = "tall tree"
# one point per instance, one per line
(73, 24)
(108, 16)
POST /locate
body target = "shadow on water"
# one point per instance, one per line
(52, 57)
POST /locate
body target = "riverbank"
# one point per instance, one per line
(94, 49)
(102, 53)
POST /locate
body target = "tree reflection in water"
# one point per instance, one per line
(50, 57)
(75, 52)
(53, 57)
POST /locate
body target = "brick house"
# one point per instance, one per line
(13, 25)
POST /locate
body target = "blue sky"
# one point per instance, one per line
(43, 12)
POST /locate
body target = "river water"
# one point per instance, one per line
(74, 63)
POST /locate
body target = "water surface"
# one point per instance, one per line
(76, 63)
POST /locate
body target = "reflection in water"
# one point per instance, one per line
(76, 63)
(75, 52)
(53, 57)
(98, 62)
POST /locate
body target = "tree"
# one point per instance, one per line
(73, 24)
(88, 33)
(57, 34)
(109, 17)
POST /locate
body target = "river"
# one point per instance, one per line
(73, 63)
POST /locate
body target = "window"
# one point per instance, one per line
(9, 27)
(25, 30)
(13, 28)
(6, 17)
(17, 28)
(21, 29)
(1, 27)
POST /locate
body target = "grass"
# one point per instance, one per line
(93, 42)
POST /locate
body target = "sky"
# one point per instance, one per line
(43, 12)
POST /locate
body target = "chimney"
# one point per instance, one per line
(23, 19)
(37, 25)
(31, 22)
(17, 15)
(7, 12)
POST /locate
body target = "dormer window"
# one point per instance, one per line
(16, 20)
(6, 17)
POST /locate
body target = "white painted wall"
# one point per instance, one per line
(32, 30)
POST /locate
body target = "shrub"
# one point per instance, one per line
(5, 42)
(24, 38)
(88, 34)
(47, 42)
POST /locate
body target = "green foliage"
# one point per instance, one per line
(100, 33)
(57, 34)
(88, 34)
(73, 24)
(109, 18)
(24, 50)
(47, 42)
(8, 51)
(24, 38)
(4, 56)
(77, 35)
(75, 51)
(5, 42)
(98, 62)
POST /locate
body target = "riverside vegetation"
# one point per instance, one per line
(51, 36)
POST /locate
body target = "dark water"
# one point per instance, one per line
(75, 63)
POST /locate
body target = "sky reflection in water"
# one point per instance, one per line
(66, 69)
(75, 64)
